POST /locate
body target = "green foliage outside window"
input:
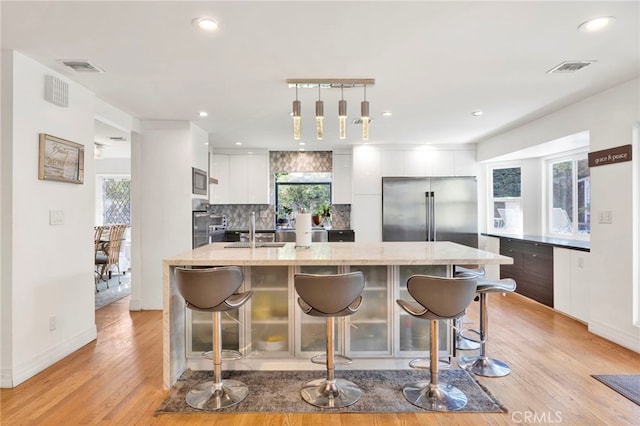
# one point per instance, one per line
(506, 182)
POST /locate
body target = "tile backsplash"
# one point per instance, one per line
(238, 215)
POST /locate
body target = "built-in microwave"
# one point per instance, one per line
(200, 182)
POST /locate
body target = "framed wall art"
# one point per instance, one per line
(60, 160)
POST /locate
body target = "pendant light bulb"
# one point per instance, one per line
(295, 113)
(364, 116)
(319, 117)
(342, 116)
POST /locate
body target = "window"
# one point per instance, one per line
(569, 212)
(506, 192)
(116, 200)
(296, 191)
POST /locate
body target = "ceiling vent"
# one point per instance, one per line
(569, 67)
(81, 65)
(117, 138)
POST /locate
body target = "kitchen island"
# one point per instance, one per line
(279, 336)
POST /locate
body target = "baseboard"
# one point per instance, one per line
(628, 340)
(5, 379)
(30, 367)
(135, 304)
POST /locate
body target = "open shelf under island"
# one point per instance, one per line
(271, 331)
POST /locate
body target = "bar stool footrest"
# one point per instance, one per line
(338, 359)
(425, 363)
(227, 355)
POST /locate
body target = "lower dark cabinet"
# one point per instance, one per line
(532, 268)
(341, 235)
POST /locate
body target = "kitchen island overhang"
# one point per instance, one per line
(442, 253)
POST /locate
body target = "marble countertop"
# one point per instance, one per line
(552, 241)
(349, 253)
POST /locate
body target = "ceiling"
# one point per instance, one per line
(434, 63)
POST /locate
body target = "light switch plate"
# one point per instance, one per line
(605, 216)
(56, 217)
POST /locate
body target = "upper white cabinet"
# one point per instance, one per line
(464, 163)
(242, 179)
(367, 171)
(219, 170)
(341, 185)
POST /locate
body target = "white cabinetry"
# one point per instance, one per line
(219, 170)
(367, 171)
(242, 178)
(341, 185)
(570, 278)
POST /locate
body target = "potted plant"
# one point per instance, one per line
(322, 215)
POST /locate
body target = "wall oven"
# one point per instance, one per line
(207, 227)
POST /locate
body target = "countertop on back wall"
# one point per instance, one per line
(552, 241)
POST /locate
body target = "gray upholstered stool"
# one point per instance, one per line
(330, 296)
(437, 299)
(214, 290)
(481, 364)
(463, 344)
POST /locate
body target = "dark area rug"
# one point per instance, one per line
(115, 291)
(279, 391)
(627, 385)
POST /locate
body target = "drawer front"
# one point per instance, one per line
(341, 235)
(539, 264)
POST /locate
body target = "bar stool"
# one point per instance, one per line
(482, 365)
(437, 298)
(214, 290)
(330, 296)
(463, 344)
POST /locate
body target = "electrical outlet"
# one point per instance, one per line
(52, 322)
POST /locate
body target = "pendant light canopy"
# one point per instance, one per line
(330, 83)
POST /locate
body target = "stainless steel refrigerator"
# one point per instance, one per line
(430, 209)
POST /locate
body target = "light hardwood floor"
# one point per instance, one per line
(117, 379)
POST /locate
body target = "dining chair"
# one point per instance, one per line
(110, 253)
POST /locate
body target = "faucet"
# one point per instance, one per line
(252, 230)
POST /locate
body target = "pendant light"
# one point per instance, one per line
(342, 115)
(364, 116)
(319, 117)
(296, 116)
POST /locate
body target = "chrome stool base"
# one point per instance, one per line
(331, 394)
(205, 397)
(432, 397)
(483, 366)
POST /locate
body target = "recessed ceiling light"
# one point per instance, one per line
(387, 113)
(300, 149)
(203, 113)
(301, 144)
(238, 143)
(596, 24)
(477, 113)
(205, 23)
(249, 152)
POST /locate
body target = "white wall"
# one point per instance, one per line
(610, 117)
(163, 198)
(61, 285)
